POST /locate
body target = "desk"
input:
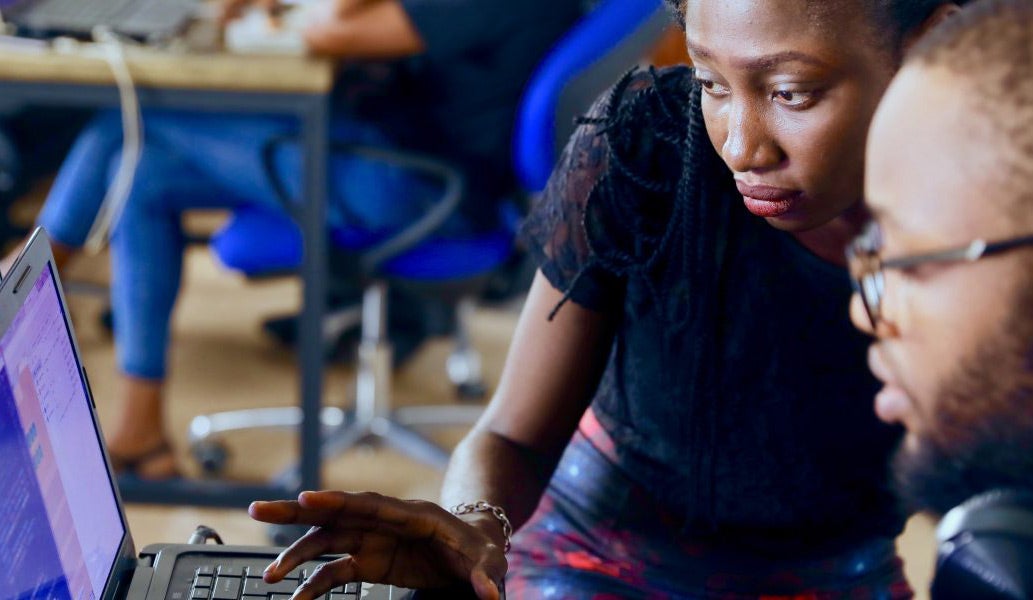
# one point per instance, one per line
(214, 81)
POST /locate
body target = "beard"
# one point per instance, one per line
(980, 435)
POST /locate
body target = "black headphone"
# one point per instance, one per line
(985, 548)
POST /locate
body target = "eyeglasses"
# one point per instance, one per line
(867, 267)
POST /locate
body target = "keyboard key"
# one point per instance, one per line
(231, 571)
(203, 581)
(200, 594)
(342, 596)
(280, 597)
(258, 587)
(351, 588)
(226, 588)
(376, 592)
(206, 570)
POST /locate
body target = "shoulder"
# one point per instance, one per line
(636, 130)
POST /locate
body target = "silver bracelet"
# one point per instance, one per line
(465, 508)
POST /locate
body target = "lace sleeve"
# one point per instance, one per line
(555, 229)
(608, 182)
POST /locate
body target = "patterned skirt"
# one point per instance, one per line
(596, 535)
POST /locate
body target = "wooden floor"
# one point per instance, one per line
(220, 361)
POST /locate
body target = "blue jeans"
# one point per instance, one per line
(202, 161)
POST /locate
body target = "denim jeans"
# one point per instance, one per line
(202, 161)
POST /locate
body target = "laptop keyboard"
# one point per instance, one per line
(241, 579)
(84, 13)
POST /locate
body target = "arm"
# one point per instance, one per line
(348, 29)
(364, 30)
(549, 379)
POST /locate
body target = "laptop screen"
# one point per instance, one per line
(59, 516)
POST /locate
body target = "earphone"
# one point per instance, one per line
(985, 548)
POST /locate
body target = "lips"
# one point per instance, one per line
(769, 201)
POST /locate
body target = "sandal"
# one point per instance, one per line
(130, 467)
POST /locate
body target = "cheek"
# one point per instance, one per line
(826, 144)
(716, 122)
(937, 328)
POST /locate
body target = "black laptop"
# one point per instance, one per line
(138, 19)
(63, 533)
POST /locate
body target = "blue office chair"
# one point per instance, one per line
(612, 37)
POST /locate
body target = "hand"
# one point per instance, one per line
(408, 543)
(232, 9)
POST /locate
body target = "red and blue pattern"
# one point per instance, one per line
(596, 535)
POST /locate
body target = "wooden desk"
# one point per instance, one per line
(85, 65)
(217, 82)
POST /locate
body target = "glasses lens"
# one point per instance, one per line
(872, 286)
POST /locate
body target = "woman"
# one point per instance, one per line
(729, 449)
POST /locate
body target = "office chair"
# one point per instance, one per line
(612, 37)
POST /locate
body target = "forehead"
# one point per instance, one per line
(763, 22)
(932, 161)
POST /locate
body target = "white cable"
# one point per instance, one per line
(117, 194)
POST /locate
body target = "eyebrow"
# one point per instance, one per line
(761, 63)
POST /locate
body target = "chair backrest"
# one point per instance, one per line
(612, 37)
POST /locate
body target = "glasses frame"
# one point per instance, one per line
(867, 268)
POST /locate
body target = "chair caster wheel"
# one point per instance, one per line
(471, 391)
(285, 535)
(212, 457)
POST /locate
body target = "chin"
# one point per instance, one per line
(935, 476)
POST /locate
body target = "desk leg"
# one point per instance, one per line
(315, 130)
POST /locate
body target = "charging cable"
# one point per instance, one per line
(202, 534)
(117, 194)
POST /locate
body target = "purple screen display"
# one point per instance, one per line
(65, 516)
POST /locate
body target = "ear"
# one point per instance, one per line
(941, 14)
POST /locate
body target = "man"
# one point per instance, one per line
(946, 286)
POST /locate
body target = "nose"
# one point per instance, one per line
(859, 315)
(749, 145)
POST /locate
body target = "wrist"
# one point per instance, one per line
(489, 519)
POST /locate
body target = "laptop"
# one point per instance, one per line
(144, 20)
(63, 530)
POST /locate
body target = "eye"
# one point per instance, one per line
(794, 98)
(711, 87)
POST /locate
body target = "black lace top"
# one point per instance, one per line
(737, 388)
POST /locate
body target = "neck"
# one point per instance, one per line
(829, 241)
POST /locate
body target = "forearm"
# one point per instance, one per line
(365, 30)
(487, 466)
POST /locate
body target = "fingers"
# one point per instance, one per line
(483, 586)
(287, 512)
(406, 518)
(317, 542)
(327, 576)
(232, 9)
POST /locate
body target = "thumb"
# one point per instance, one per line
(484, 585)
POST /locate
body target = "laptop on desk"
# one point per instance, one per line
(63, 532)
(142, 20)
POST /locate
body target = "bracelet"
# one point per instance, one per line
(465, 508)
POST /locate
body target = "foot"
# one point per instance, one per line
(155, 463)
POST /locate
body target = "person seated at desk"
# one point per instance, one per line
(456, 69)
(950, 163)
(696, 421)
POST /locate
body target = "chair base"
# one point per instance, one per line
(342, 431)
(373, 421)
